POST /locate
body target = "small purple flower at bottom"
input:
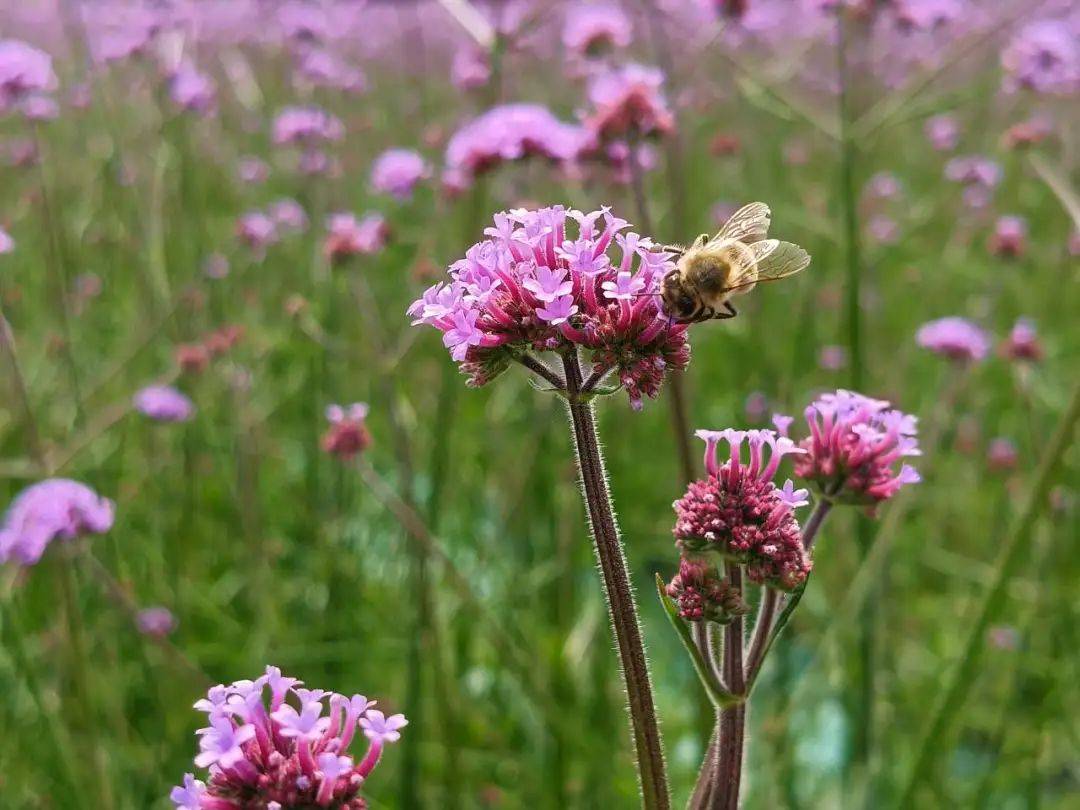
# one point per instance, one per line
(274, 755)
(163, 403)
(56, 508)
(955, 338)
(738, 512)
(7, 244)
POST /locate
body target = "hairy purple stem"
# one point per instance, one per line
(620, 596)
(732, 718)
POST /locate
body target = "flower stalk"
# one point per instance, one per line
(619, 593)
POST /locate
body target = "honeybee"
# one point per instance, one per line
(712, 270)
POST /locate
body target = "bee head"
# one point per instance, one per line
(678, 299)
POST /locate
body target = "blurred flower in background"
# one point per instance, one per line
(347, 436)
(163, 403)
(1001, 455)
(955, 338)
(348, 236)
(943, 132)
(397, 171)
(156, 621)
(1009, 239)
(25, 72)
(1023, 342)
(978, 176)
(1043, 57)
(53, 509)
(7, 244)
(592, 30)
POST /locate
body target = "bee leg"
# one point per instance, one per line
(729, 312)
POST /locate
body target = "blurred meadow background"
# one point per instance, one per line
(166, 218)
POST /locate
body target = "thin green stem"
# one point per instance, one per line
(619, 593)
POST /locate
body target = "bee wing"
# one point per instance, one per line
(749, 224)
(768, 260)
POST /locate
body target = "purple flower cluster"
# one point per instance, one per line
(701, 595)
(397, 171)
(1044, 57)
(628, 101)
(163, 403)
(955, 338)
(56, 508)
(853, 446)
(509, 132)
(1009, 239)
(738, 512)
(1022, 342)
(591, 30)
(280, 755)
(533, 286)
(943, 132)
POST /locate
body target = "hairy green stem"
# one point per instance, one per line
(619, 592)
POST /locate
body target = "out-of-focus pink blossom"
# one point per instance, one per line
(1044, 57)
(163, 403)
(1023, 342)
(24, 71)
(1009, 239)
(307, 126)
(470, 68)
(156, 621)
(347, 236)
(628, 102)
(348, 435)
(955, 338)
(53, 509)
(1001, 455)
(397, 171)
(943, 132)
(591, 30)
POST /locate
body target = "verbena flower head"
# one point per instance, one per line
(288, 215)
(1022, 342)
(270, 743)
(252, 170)
(943, 132)
(321, 68)
(24, 71)
(1044, 57)
(347, 435)
(702, 595)
(163, 403)
(7, 244)
(853, 448)
(628, 101)
(56, 508)
(591, 30)
(1009, 239)
(257, 231)
(738, 512)
(397, 171)
(554, 280)
(348, 236)
(956, 338)
(307, 126)
(1002, 455)
(505, 133)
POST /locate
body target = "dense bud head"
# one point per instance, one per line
(701, 595)
(738, 512)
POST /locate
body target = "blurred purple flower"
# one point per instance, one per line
(288, 215)
(883, 229)
(883, 186)
(397, 171)
(155, 621)
(7, 244)
(347, 236)
(56, 508)
(510, 132)
(192, 90)
(1044, 57)
(256, 230)
(1001, 455)
(1009, 239)
(955, 338)
(24, 71)
(1022, 342)
(164, 403)
(943, 132)
(40, 108)
(470, 68)
(306, 126)
(978, 175)
(591, 30)
(832, 358)
(252, 170)
(348, 434)
(628, 101)
(322, 68)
